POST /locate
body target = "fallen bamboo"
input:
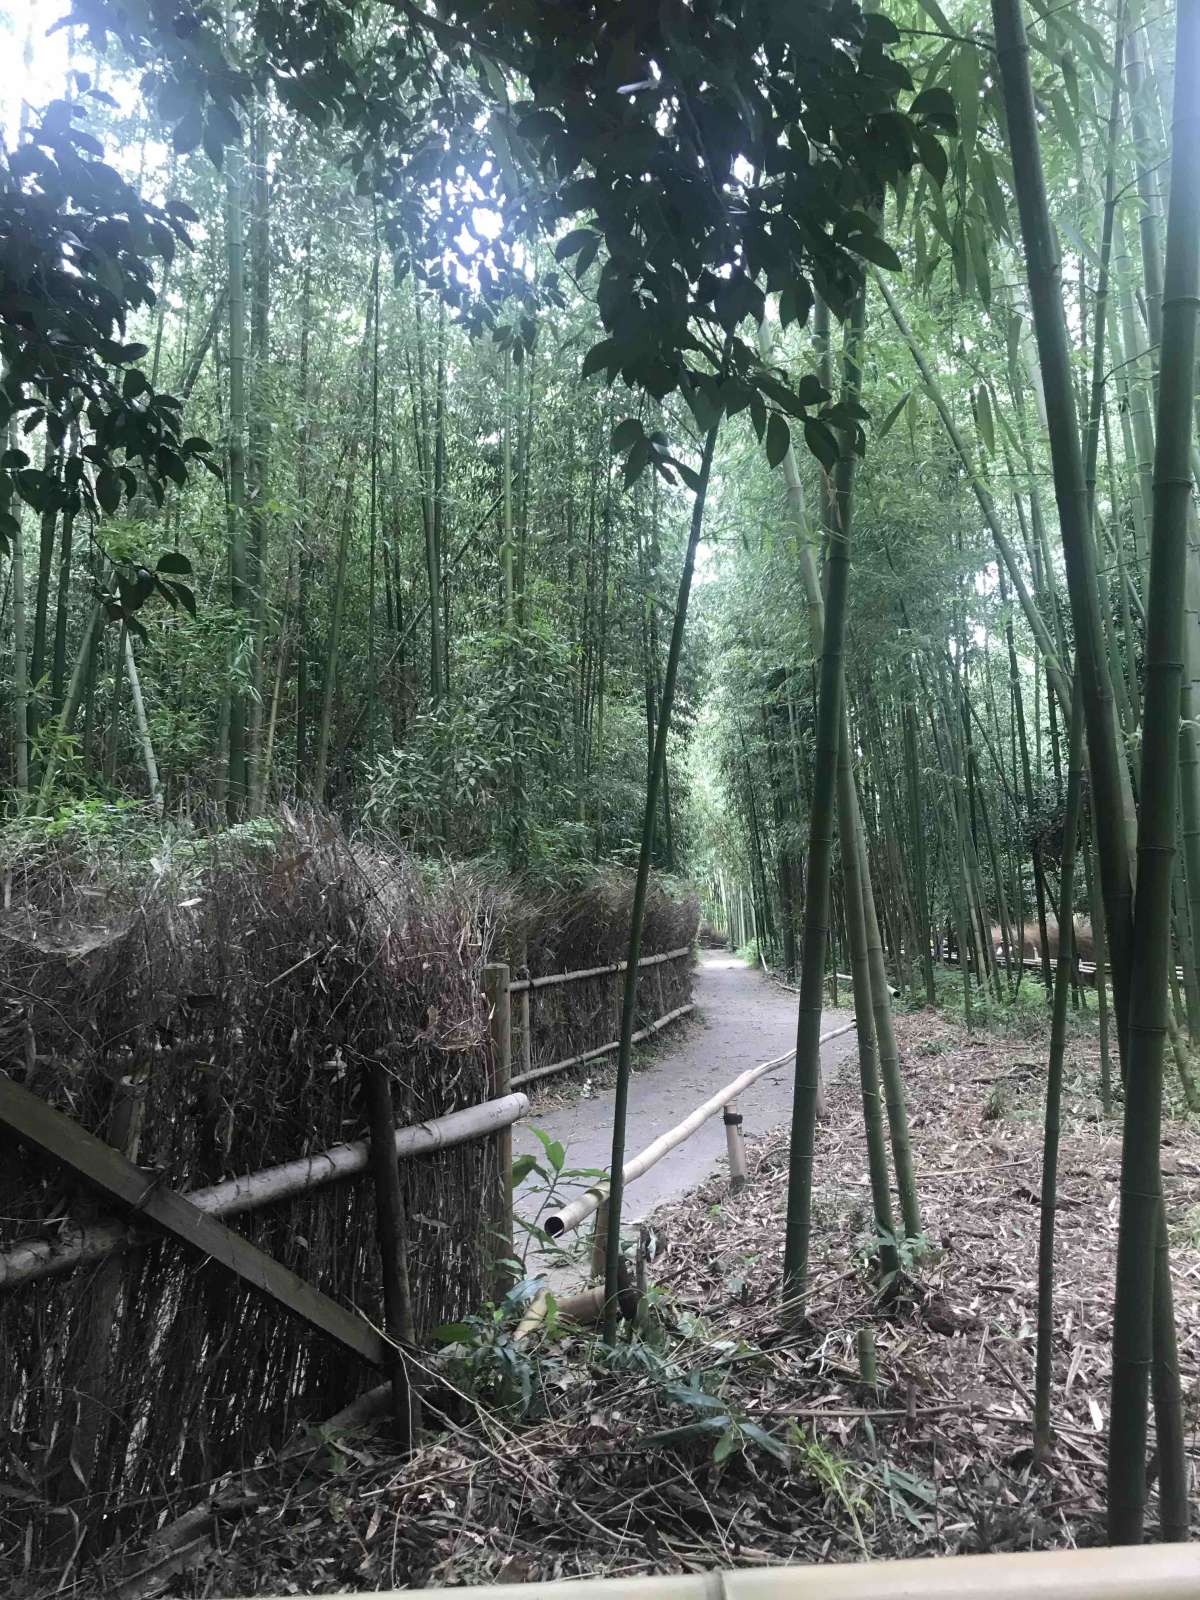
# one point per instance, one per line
(44, 1258)
(521, 984)
(579, 1209)
(639, 1037)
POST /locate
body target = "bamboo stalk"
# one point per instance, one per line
(496, 987)
(391, 1227)
(1143, 1323)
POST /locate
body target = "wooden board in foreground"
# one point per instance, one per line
(57, 1136)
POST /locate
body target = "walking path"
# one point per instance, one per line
(741, 1019)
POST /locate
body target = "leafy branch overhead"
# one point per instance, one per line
(78, 248)
(708, 157)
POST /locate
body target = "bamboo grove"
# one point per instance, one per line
(921, 710)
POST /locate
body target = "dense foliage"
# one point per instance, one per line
(385, 255)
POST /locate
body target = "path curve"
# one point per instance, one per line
(741, 1019)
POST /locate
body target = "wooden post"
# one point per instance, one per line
(600, 1239)
(495, 987)
(391, 1226)
(735, 1143)
(520, 965)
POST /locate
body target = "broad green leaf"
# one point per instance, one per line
(779, 439)
(174, 561)
(522, 1166)
(983, 417)
(108, 490)
(821, 442)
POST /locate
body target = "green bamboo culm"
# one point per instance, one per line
(1044, 1371)
(860, 974)
(654, 780)
(1044, 270)
(820, 850)
(1141, 1233)
(892, 1078)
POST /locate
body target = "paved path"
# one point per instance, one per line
(740, 1021)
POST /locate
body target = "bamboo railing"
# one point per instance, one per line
(45, 1258)
(524, 986)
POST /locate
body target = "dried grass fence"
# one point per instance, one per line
(219, 1021)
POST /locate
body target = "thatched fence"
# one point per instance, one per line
(222, 1021)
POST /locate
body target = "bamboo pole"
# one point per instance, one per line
(46, 1258)
(735, 1145)
(520, 984)
(496, 987)
(143, 727)
(1143, 1321)
(583, 1206)
(391, 1226)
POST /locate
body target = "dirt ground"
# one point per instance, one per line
(720, 1435)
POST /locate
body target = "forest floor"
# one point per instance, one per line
(722, 1437)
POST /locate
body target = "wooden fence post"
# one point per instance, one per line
(600, 1240)
(495, 987)
(520, 967)
(735, 1143)
(391, 1225)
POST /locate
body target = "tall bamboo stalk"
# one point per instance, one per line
(1044, 1371)
(1046, 300)
(820, 850)
(1141, 1229)
(860, 973)
(612, 1254)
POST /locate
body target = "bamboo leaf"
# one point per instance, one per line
(779, 439)
(885, 426)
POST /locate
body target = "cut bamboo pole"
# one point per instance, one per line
(600, 1240)
(496, 987)
(535, 1316)
(560, 1222)
(46, 1258)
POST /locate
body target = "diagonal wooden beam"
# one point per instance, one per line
(65, 1141)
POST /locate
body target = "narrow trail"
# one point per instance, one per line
(741, 1020)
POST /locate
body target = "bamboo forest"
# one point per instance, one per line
(606, 594)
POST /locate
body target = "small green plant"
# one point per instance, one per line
(483, 1361)
(554, 1176)
(729, 1430)
(910, 1253)
(996, 1106)
(833, 1473)
(1186, 1231)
